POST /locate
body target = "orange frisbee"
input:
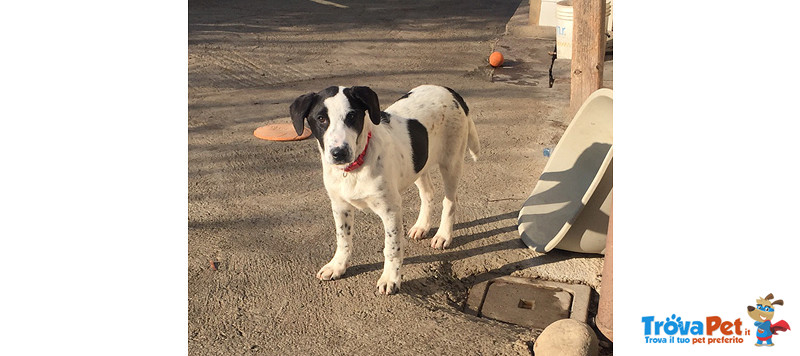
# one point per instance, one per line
(280, 132)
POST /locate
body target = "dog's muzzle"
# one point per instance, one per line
(341, 154)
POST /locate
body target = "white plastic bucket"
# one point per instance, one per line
(564, 27)
(547, 13)
(564, 30)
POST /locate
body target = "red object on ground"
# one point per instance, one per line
(496, 59)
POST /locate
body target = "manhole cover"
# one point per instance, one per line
(528, 302)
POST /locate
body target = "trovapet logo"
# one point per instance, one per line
(717, 330)
(673, 330)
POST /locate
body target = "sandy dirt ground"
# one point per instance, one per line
(259, 208)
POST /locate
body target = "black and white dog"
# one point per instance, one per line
(367, 163)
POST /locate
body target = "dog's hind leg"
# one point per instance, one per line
(343, 217)
(423, 223)
(451, 172)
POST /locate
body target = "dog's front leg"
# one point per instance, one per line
(389, 210)
(343, 217)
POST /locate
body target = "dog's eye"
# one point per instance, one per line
(322, 119)
(350, 119)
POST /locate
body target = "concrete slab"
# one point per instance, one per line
(527, 61)
(528, 51)
(528, 302)
(526, 305)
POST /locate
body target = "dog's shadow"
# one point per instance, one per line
(454, 253)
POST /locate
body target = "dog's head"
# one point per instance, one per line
(336, 118)
(765, 309)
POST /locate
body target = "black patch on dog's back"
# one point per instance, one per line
(419, 144)
(460, 100)
(404, 96)
(385, 117)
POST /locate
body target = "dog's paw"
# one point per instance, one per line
(388, 285)
(441, 242)
(331, 271)
(416, 232)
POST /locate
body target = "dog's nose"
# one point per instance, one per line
(340, 154)
(750, 308)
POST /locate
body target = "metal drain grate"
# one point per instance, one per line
(528, 302)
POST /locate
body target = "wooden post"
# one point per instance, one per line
(588, 50)
(605, 308)
(534, 12)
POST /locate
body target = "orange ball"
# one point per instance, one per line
(496, 59)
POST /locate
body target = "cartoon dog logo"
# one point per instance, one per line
(763, 314)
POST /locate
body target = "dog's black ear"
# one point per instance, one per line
(778, 302)
(370, 100)
(299, 110)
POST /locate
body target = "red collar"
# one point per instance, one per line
(360, 160)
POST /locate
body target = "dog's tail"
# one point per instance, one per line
(473, 144)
